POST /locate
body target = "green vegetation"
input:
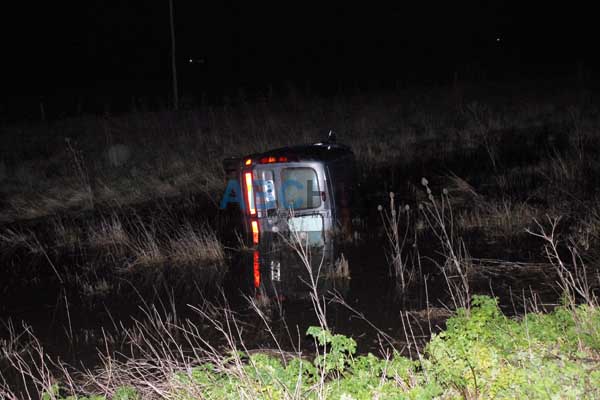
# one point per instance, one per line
(121, 393)
(481, 355)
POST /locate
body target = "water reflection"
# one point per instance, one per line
(275, 269)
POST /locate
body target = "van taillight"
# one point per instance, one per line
(254, 232)
(256, 269)
(249, 193)
(271, 159)
(268, 160)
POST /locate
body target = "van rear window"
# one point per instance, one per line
(300, 188)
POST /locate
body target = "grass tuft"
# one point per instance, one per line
(190, 246)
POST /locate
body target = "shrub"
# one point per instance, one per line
(488, 355)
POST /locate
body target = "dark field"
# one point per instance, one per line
(117, 264)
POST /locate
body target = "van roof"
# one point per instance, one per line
(307, 152)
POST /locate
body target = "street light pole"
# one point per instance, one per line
(173, 64)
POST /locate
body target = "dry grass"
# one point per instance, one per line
(460, 191)
(498, 218)
(66, 234)
(585, 233)
(144, 245)
(575, 279)
(191, 245)
(12, 238)
(397, 225)
(15, 238)
(339, 270)
(12, 342)
(186, 245)
(456, 264)
(171, 153)
(341, 267)
(109, 232)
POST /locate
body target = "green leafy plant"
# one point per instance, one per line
(485, 354)
(338, 349)
(126, 393)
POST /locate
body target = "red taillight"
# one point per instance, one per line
(272, 159)
(254, 232)
(256, 268)
(249, 193)
(268, 160)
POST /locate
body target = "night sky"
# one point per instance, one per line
(119, 49)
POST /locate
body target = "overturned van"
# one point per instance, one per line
(299, 193)
(306, 189)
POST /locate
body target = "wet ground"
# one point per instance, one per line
(44, 291)
(79, 300)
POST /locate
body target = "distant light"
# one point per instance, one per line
(190, 60)
(498, 39)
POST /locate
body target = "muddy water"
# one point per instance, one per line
(76, 299)
(376, 310)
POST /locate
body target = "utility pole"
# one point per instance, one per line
(173, 64)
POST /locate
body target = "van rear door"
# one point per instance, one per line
(301, 193)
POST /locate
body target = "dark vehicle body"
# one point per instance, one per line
(305, 188)
(292, 195)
